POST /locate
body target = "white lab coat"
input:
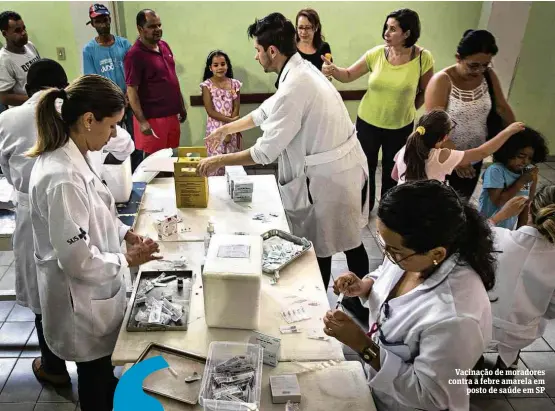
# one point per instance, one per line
(306, 125)
(525, 287)
(442, 325)
(121, 147)
(18, 133)
(81, 268)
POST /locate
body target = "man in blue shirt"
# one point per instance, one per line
(104, 56)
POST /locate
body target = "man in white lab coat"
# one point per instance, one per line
(18, 133)
(322, 168)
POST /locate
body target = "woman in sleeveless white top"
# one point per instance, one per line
(469, 109)
(462, 91)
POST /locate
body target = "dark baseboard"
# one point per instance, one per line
(257, 98)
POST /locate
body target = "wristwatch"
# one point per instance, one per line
(370, 353)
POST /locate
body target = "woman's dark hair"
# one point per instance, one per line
(428, 214)
(217, 53)
(45, 73)
(408, 20)
(525, 138)
(476, 41)
(542, 210)
(314, 19)
(275, 30)
(90, 93)
(431, 128)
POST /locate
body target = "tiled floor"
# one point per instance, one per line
(20, 391)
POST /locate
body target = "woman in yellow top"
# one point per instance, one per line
(399, 73)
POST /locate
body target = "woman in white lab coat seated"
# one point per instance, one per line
(77, 235)
(525, 284)
(430, 315)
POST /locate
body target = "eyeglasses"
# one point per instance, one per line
(385, 249)
(305, 28)
(476, 67)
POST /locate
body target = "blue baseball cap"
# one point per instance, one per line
(98, 10)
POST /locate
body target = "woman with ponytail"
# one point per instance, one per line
(77, 235)
(430, 315)
(426, 156)
(525, 276)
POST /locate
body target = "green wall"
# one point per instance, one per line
(193, 29)
(49, 26)
(533, 92)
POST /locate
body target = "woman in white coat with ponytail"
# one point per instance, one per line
(77, 235)
(525, 276)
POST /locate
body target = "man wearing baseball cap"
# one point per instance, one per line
(104, 55)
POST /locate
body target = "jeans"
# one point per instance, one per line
(97, 384)
(465, 186)
(357, 261)
(137, 155)
(95, 379)
(51, 363)
(390, 141)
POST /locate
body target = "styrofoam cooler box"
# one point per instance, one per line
(232, 280)
(119, 180)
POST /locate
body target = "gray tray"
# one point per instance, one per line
(132, 324)
(164, 383)
(307, 245)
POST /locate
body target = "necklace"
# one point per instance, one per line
(412, 53)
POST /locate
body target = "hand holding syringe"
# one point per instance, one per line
(349, 285)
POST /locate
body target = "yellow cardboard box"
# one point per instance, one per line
(191, 190)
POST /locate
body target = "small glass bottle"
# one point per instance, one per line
(208, 236)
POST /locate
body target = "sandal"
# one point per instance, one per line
(43, 376)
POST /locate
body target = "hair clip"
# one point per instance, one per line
(420, 130)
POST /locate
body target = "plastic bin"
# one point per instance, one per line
(223, 351)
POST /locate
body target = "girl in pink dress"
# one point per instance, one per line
(220, 94)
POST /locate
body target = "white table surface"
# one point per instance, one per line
(341, 387)
(228, 216)
(301, 279)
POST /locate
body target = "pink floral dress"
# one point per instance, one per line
(222, 100)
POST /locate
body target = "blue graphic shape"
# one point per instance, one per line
(129, 395)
